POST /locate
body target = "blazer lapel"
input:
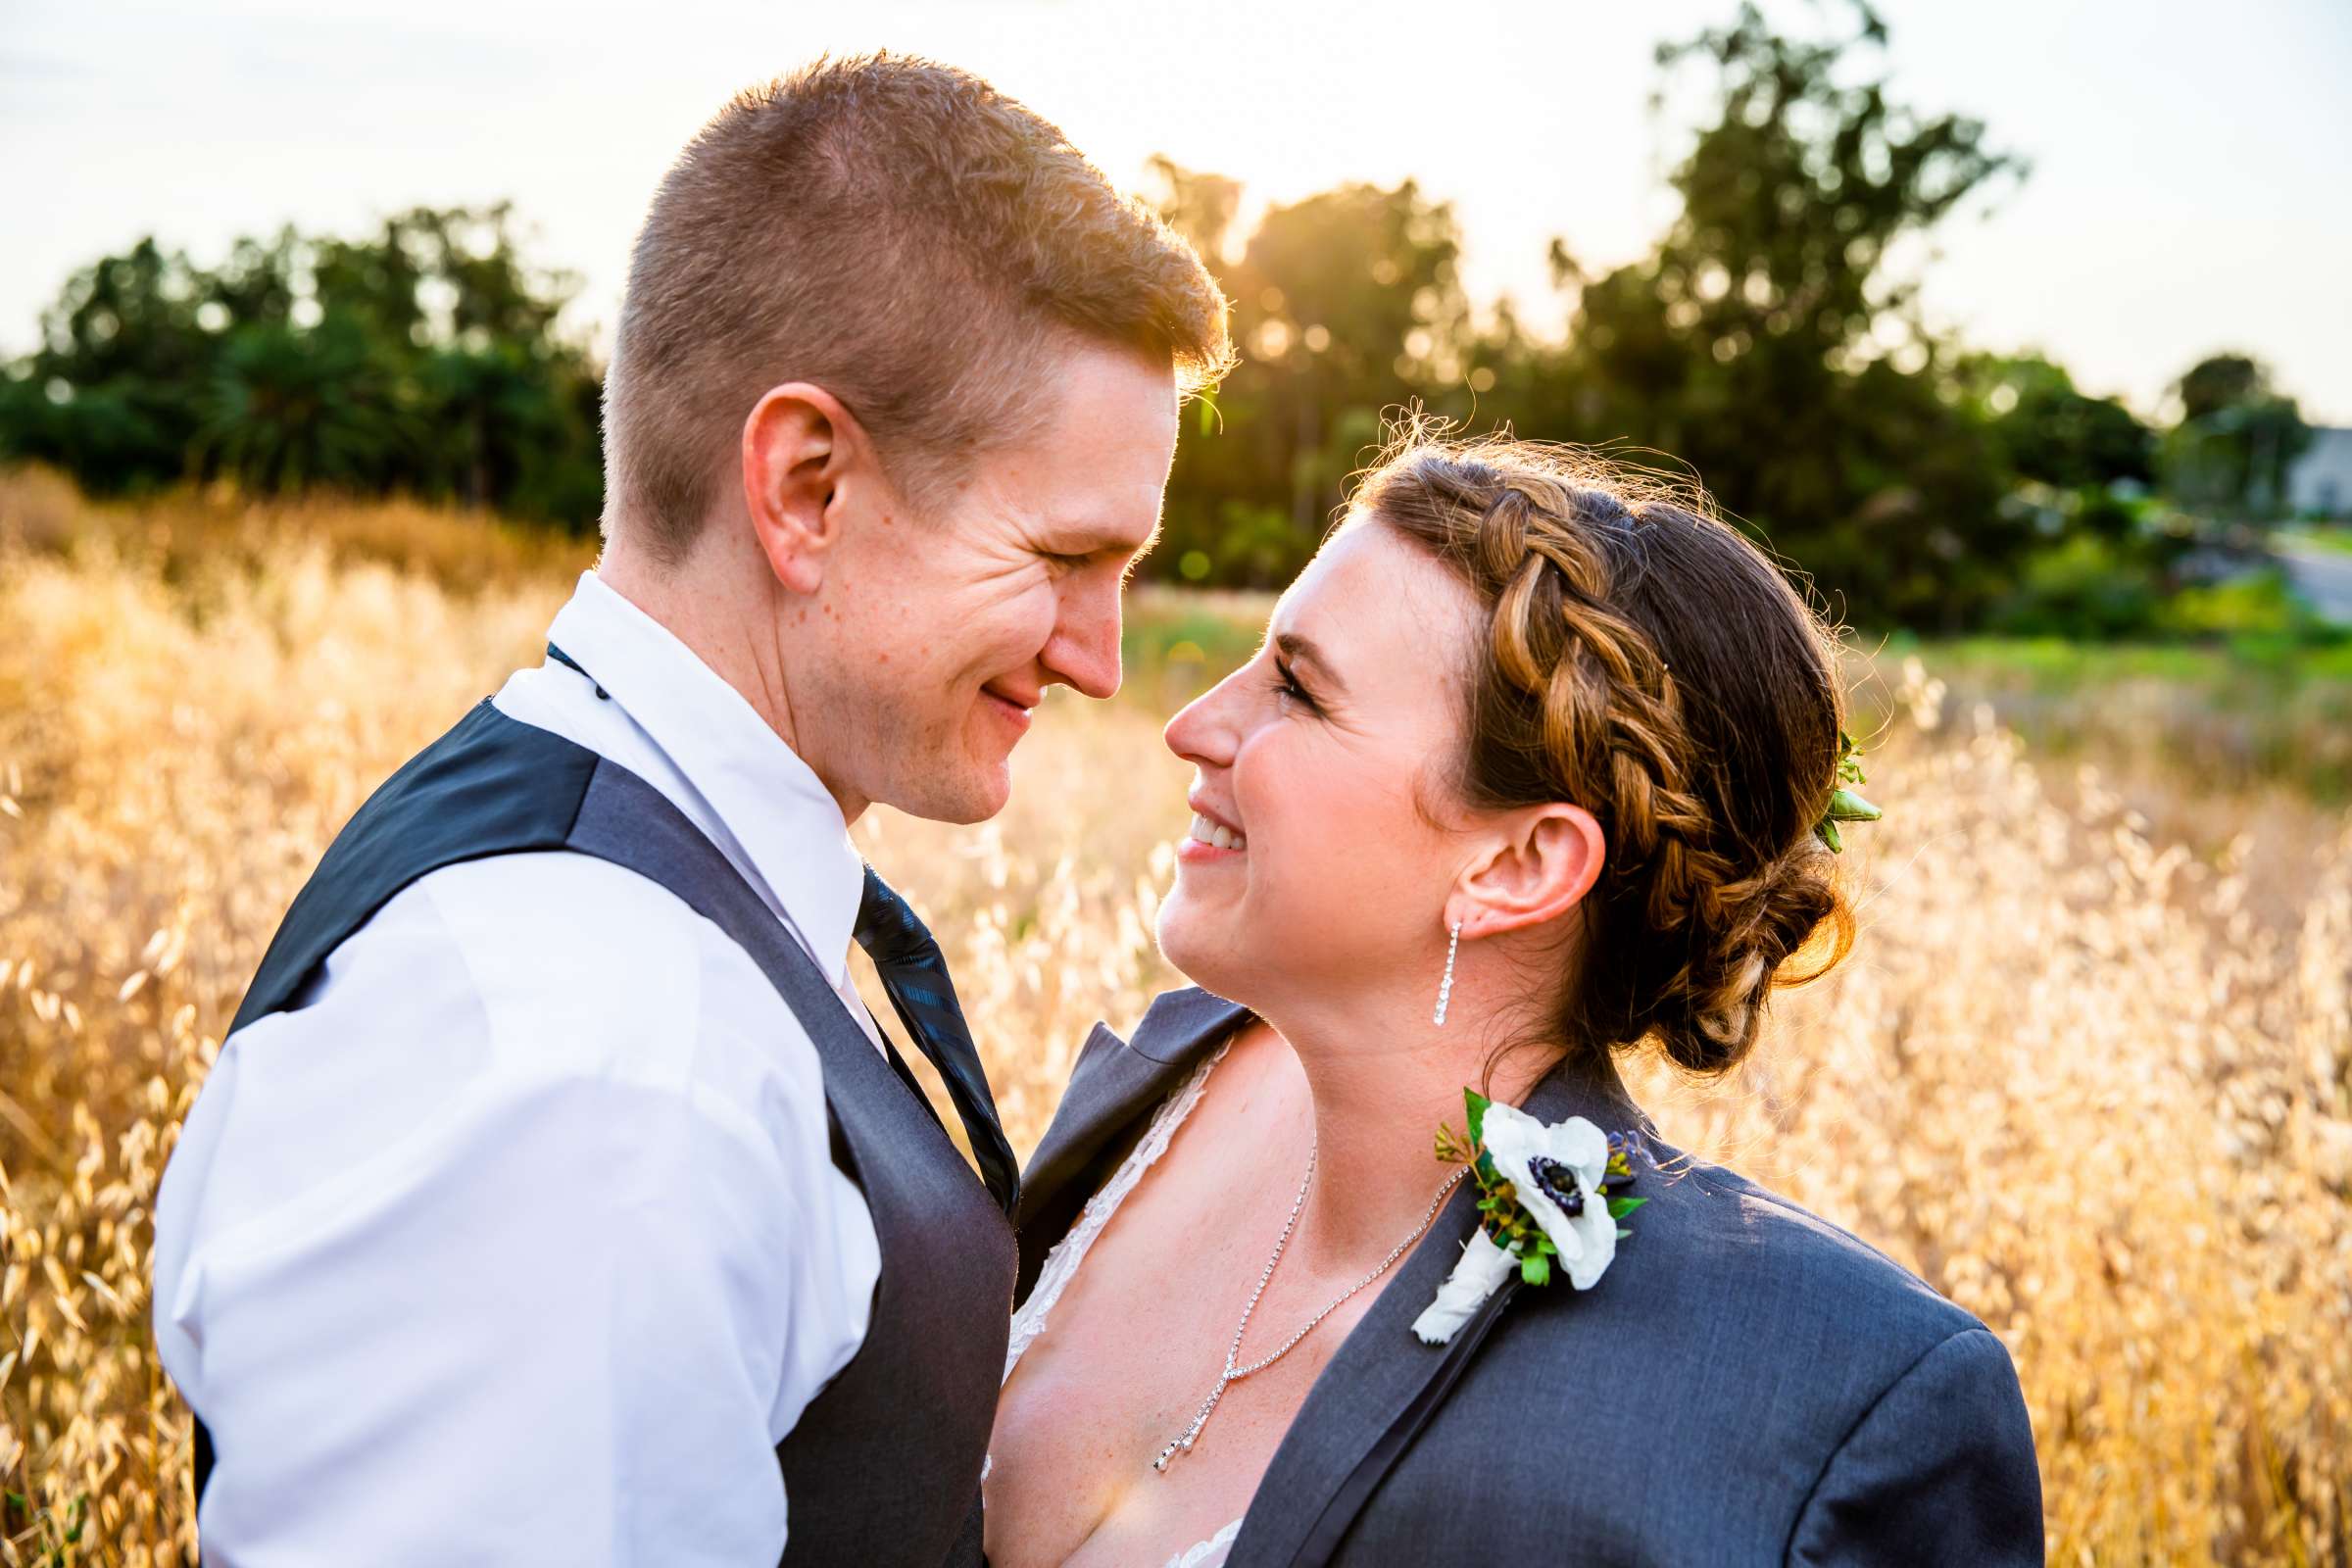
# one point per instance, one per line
(1382, 1386)
(1113, 1090)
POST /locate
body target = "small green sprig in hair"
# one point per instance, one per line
(1847, 805)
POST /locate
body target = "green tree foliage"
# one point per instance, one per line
(425, 357)
(1767, 342)
(286, 407)
(1344, 305)
(2081, 470)
(110, 396)
(2236, 438)
(2048, 432)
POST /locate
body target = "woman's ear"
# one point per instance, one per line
(802, 450)
(1537, 866)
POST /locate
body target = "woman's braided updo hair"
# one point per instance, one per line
(1642, 660)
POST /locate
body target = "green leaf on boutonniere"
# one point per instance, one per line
(1478, 1104)
(1536, 1269)
(1619, 1207)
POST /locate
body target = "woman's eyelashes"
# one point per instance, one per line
(1286, 686)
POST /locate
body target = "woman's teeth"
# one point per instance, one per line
(1224, 838)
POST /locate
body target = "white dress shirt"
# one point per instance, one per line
(519, 1240)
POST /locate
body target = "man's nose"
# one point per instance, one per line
(1084, 651)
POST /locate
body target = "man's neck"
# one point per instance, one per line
(729, 621)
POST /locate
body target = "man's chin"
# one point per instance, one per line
(960, 793)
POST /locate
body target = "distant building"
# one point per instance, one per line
(2320, 481)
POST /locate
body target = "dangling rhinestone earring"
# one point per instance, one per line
(1446, 986)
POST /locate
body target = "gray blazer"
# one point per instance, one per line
(1749, 1384)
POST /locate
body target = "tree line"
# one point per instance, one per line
(1766, 341)
(425, 358)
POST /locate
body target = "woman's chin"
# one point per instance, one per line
(1199, 942)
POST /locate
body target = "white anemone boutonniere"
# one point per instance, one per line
(1549, 1197)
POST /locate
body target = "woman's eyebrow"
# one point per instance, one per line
(1299, 647)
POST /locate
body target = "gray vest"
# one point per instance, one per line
(884, 1466)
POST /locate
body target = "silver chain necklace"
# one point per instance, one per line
(1233, 1373)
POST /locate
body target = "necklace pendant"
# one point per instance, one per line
(1184, 1444)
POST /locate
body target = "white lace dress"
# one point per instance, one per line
(1062, 1265)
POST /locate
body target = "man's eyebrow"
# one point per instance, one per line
(1299, 646)
(1078, 538)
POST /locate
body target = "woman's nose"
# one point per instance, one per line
(1203, 732)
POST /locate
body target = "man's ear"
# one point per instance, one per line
(802, 450)
(1539, 862)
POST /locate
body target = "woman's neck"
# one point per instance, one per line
(1377, 1090)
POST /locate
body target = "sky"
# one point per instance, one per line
(2189, 188)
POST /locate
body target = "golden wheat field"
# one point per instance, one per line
(2089, 1070)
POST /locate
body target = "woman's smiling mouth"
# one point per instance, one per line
(1209, 838)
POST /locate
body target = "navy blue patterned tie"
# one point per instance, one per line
(915, 974)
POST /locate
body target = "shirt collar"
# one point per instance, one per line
(780, 813)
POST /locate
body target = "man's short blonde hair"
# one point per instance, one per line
(901, 234)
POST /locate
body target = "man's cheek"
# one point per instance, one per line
(1010, 641)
